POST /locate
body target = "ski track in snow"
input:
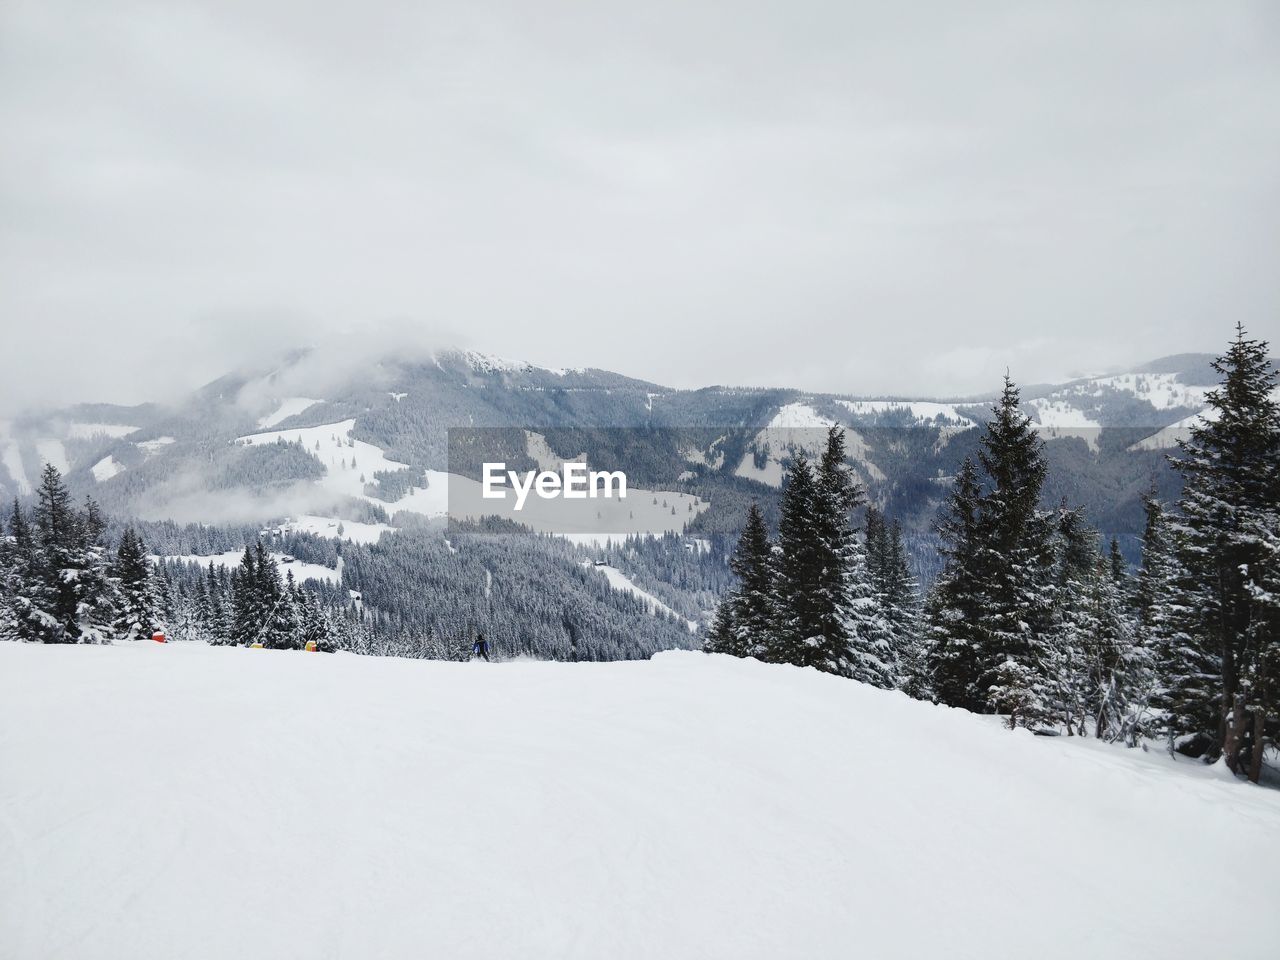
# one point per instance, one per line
(12, 459)
(51, 450)
(620, 581)
(289, 407)
(179, 800)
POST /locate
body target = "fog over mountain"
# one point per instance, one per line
(882, 198)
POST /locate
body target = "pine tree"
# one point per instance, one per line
(1262, 680)
(72, 597)
(1064, 664)
(137, 615)
(993, 613)
(751, 613)
(272, 610)
(246, 620)
(860, 642)
(313, 627)
(897, 600)
(1182, 679)
(285, 626)
(221, 623)
(18, 569)
(798, 636)
(1116, 666)
(902, 592)
(1015, 553)
(1229, 467)
(720, 637)
(953, 617)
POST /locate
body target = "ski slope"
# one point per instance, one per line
(620, 581)
(289, 407)
(106, 468)
(163, 801)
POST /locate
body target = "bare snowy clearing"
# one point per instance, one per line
(301, 571)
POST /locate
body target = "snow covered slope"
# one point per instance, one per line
(350, 464)
(798, 427)
(620, 581)
(288, 407)
(106, 468)
(301, 571)
(186, 801)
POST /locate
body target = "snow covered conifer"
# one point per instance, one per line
(798, 565)
(993, 604)
(897, 598)
(16, 568)
(953, 618)
(1230, 465)
(720, 638)
(245, 616)
(752, 609)
(136, 617)
(72, 597)
(1015, 553)
(852, 637)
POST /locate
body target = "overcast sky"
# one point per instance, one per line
(860, 197)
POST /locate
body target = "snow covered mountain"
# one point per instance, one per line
(395, 414)
(323, 448)
(181, 800)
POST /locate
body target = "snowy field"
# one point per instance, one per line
(185, 801)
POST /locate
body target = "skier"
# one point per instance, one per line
(481, 648)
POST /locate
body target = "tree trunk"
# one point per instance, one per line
(1255, 761)
(1235, 733)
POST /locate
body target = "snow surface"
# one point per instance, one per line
(1164, 391)
(1168, 437)
(620, 581)
(11, 457)
(179, 800)
(106, 468)
(1057, 418)
(301, 571)
(153, 446)
(87, 431)
(352, 530)
(289, 407)
(333, 446)
(798, 426)
(51, 450)
(798, 416)
(926, 410)
(487, 363)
